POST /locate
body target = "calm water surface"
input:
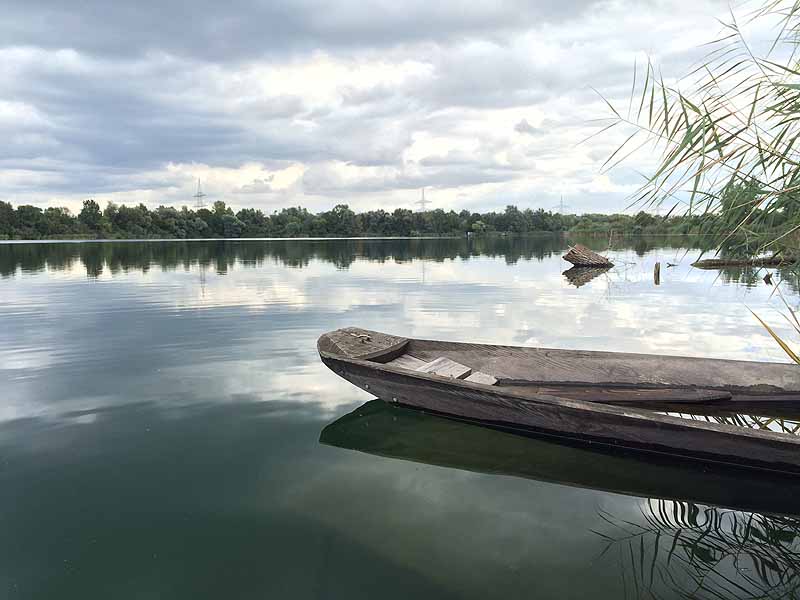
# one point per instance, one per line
(162, 405)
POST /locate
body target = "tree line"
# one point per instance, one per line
(220, 221)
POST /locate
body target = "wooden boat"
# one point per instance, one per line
(398, 432)
(611, 398)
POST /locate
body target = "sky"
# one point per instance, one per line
(311, 103)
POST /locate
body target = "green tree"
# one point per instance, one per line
(342, 221)
(90, 215)
(643, 219)
(30, 222)
(8, 220)
(479, 227)
(58, 221)
(514, 220)
(232, 227)
(255, 223)
(403, 221)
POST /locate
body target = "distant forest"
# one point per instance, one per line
(220, 221)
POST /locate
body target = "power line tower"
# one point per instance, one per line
(561, 206)
(198, 197)
(422, 202)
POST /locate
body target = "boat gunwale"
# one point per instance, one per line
(555, 400)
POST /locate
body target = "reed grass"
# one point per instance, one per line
(728, 134)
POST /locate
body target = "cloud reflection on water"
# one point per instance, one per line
(163, 321)
(168, 404)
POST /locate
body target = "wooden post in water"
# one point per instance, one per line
(657, 274)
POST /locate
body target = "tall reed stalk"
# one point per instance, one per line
(727, 133)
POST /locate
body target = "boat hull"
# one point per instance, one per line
(620, 427)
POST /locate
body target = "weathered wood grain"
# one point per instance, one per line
(406, 361)
(482, 378)
(605, 423)
(363, 344)
(719, 263)
(624, 427)
(616, 369)
(580, 256)
(445, 367)
(644, 397)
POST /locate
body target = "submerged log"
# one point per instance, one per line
(719, 263)
(581, 256)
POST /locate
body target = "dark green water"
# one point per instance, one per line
(162, 405)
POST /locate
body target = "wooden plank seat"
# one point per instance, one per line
(479, 377)
(406, 361)
(444, 367)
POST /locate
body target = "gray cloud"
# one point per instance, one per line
(247, 29)
(258, 186)
(104, 98)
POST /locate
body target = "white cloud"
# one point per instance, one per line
(301, 105)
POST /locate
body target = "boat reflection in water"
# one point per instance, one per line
(702, 532)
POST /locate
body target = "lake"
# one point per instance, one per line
(162, 406)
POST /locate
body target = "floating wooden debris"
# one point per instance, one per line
(579, 276)
(580, 256)
(446, 368)
(719, 263)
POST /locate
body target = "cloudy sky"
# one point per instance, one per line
(275, 103)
